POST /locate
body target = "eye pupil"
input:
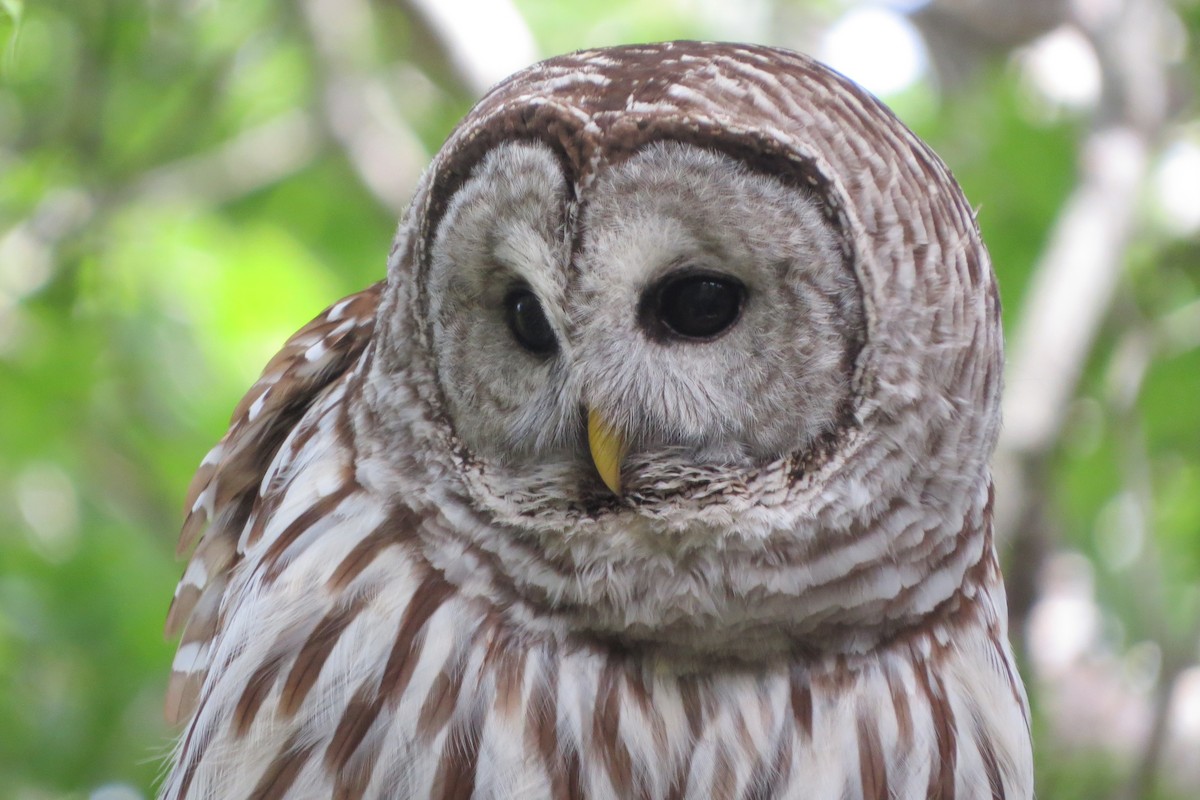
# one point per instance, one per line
(699, 306)
(528, 322)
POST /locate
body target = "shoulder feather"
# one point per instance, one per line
(225, 488)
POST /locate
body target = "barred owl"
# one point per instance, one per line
(657, 467)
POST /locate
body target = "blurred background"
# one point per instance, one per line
(183, 183)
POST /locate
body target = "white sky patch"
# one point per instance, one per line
(489, 38)
(1185, 705)
(1176, 187)
(1063, 68)
(47, 500)
(876, 47)
(1120, 533)
(1065, 622)
(744, 21)
(905, 6)
(115, 791)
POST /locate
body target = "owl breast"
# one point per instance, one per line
(351, 666)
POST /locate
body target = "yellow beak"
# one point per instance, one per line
(608, 451)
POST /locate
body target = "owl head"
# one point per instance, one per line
(691, 298)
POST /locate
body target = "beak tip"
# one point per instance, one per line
(613, 482)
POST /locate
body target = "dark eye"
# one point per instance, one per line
(528, 322)
(698, 305)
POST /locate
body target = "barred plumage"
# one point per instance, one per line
(411, 582)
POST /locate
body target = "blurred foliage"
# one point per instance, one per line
(142, 287)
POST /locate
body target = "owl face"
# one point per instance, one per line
(671, 328)
(681, 315)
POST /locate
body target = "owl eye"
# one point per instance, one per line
(528, 322)
(697, 305)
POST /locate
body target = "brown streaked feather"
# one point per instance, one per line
(724, 779)
(254, 694)
(566, 779)
(183, 690)
(455, 776)
(399, 524)
(224, 491)
(183, 693)
(282, 772)
(507, 658)
(542, 735)
(352, 784)
(316, 649)
(427, 599)
(770, 774)
(560, 758)
(351, 781)
(677, 790)
(802, 702)
(369, 700)
(871, 765)
(320, 511)
(941, 776)
(360, 714)
(183, 603)
(195, 743)
(215, 553)
(442, 697)
(692, 693)
(606, 730)
(990, 766)
(904, 722)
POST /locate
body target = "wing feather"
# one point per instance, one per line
(225, 489)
